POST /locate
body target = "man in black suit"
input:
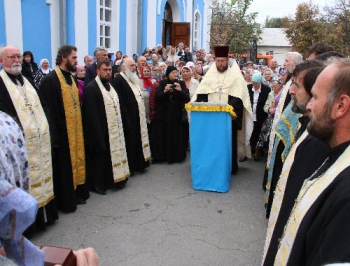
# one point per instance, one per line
(100, 53)
(258, 94)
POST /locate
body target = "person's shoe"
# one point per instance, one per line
(242, 159)
(256, 158)
(80, 201)
(100, 191)
(120, 185)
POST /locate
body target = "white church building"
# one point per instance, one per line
(42, 26)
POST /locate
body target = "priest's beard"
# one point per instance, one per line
(222, 69)
(104, 80)
(15, 69)
(132, 76)
(298, 106)
(70, 67)
(322, 126)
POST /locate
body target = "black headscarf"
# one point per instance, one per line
(169, 70)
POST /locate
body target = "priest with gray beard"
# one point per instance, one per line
(134, 120)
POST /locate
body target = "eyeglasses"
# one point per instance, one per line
(13, 57)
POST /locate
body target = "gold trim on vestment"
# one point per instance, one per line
(142, 113)
(278, 194)
(71, 104)
(211, 108)
(276, 118)
(37, 137)
(116, 137)
(309, 193)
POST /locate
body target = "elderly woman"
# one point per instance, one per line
(146, 83)
(191, 86)
(171, 96)
(40, 74)
(29, 67)
(267, 77)
(191, 83)
(283, 75)
(248, 76)
(270, 108)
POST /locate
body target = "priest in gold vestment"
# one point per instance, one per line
(60, 91)
(20, 99)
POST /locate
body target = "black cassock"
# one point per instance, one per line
(6, 105)
(99, 171)
(323, 236)
(237, 105)
(66, 197)
(131, 124)
(309, 156)
(169, 142)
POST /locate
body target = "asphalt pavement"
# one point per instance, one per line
(158, 219)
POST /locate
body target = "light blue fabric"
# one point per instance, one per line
(211, 150)
(286, 130)
(17, 208)
(18, 211)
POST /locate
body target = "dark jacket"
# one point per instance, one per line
(90, 74)
(260, 114)
(26, 70)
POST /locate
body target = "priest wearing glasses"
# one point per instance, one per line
(20, 99)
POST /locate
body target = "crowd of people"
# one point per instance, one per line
(89, 127)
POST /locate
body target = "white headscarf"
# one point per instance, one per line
(45, 71)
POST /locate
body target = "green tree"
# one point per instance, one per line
(306, 28)
(338, 25)
(276, 22)
(232, 25)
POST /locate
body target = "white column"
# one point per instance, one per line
(206, 28)
(13, 23)
(151, 25)
(55, 30)
(81, 29)
(189, 18)
(115, 26)
(131, 27)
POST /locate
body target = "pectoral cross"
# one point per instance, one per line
(115, 108)
(220, 93)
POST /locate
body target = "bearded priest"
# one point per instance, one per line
(134, 119)
(224, 84)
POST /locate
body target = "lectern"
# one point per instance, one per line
(211, 145)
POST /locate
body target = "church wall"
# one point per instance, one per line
(152, 28)
(54, 30)
(43, 20)
(116, 26)
(36, 28)
(92, 27)
(2, 24)
(131, 28)
(146, 27)
(82, 31)
(122, 27)
(13, 23)
(178, 9)
(199, 6)
(70, 22)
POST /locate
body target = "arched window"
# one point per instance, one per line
(197, 30)
(105, 23)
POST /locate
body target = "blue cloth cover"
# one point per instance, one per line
(211, 150)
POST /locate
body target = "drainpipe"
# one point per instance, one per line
(63, 22)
